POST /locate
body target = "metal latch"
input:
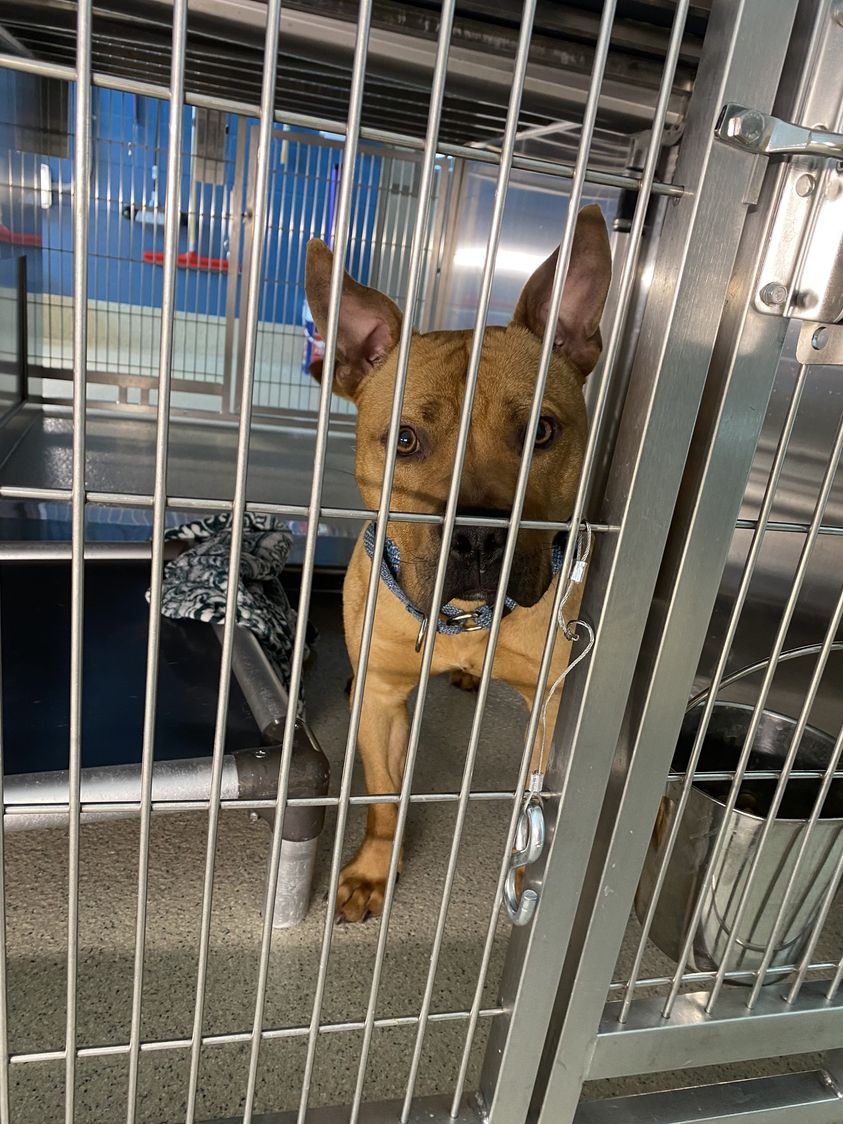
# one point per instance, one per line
(801, 272)
(764, 135)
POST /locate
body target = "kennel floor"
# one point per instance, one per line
(36, 873)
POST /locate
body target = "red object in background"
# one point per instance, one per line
(13, 239)
(190, 260)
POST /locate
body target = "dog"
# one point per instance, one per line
(364, 372)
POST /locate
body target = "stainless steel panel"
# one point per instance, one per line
(808, 1098)
(647, 1043)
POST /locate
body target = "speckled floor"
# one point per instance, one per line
(37, 889)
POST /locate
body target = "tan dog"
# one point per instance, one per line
(366, 360)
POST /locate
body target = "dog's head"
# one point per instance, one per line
(365, 368)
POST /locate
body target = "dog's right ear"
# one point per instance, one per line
(369, 323)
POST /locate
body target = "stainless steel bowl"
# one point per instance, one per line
(725, 885)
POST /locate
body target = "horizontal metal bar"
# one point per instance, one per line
(757, 775)
(649, 1043)
(171, 779)
(321, 124)
(37, 550)
(189, 503)
(795, 528)
(299, 511)
(425, 1110)
(93, 807)
(265, 419)
(746, 976)
(808, 1097)
(153, 1047)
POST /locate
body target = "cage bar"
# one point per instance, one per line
(172, 216)
(81, 205)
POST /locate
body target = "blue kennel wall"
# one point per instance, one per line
(129, 156)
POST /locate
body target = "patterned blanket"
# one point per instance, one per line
(195, 583)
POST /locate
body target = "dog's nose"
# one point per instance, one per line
(481, 545)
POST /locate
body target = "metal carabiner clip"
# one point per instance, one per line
(529, 844)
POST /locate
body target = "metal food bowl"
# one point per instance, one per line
(725, 882)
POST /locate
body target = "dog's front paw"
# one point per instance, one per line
(363, 882)
(359, 897)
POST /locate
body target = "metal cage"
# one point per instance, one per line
(161, 172)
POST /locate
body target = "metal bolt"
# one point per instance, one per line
(805, 185)
(773, 294)
(819, 339)
(748, 127)
(260, 753)
(253, 817)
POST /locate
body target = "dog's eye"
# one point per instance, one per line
(408, 442)
(545, 432)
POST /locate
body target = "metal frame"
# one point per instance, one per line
(672, 499)
(740, 380)
(678, 334)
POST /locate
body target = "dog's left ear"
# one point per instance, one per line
(586, 286)
(369, 323)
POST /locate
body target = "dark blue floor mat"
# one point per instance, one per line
(35, 629)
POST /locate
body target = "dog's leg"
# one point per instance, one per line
(382, 743)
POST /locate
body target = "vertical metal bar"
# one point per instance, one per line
(835, 983)
(819, 925)
(355, 106)
(369, 188)
(279, 294)
(772, 813)
(22, 389)
(679, 334)
(753, 554)
(432, 134)
(199, 189)
(238, 507)
(805, 842)
(231, 347)
(131, 237)
(507, 150)
(563, 260)
(116, 200)
(81, 219)
(767, 682)
(4, 997)
(289, 345)
(172, 220)
(452, 224)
